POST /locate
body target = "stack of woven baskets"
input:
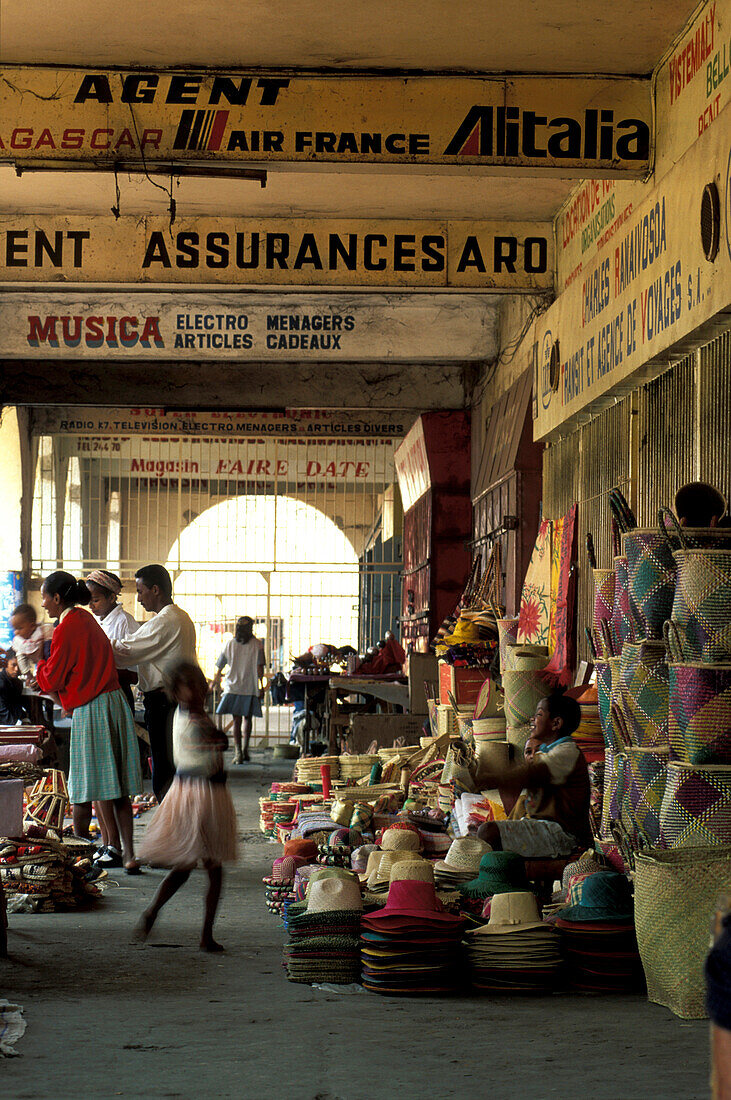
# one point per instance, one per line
(664, 629)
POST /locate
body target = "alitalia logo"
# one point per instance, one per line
(512, 132)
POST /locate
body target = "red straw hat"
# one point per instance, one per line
(307, 849)
(411, 898)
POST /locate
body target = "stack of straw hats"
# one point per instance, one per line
(461, 864)
(411, 945)
(598, 936)
(381, 864)
(279, 885)
(515, 952)
(323, 941)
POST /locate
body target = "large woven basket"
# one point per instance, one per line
(523, 693)
(643, 692)
(507, 630)
(645, 772)
(614, 777)
(696, 808)
(700, 609)
(700, 713)
(517, 737)
(604, 582)
(675, 896)
(621, 614)
(651, 579)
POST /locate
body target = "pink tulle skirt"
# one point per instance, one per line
(196, 822)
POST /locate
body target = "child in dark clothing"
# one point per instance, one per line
(12, 710)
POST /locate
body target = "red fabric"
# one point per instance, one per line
(81, 664)
(561, 664)
(389, 659)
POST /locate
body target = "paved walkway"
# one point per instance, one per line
(107, 1018)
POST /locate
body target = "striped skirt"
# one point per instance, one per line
(104, 760)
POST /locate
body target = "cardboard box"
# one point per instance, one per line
(383, 729)
(421, 667)
(464, 683)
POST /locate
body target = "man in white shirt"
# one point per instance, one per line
(156, 647)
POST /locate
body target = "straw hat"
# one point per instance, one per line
(605, 895)
(412, 898)
(331, 895)
(512, 912)
(500, 873)
(330, 872)
(359, 856)
(412, 870)
(383, 873)
(401, 840)
(464, 854)
(374, 858)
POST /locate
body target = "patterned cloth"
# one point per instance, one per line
(535, 603)
(104, 760)
(563, 598)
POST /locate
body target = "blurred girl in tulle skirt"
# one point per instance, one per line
(196, 823)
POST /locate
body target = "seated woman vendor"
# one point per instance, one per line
(551, 817)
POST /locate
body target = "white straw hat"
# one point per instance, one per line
(512, 912)
(464, 854)
(382, 874)
(329, 895)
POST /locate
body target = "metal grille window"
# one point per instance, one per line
(279, 529)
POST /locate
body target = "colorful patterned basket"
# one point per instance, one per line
(645, 773)
(523, 693)
(651, 577)
(700, 611)
(643, 692)
(675, 897)
(699, 724)
(603, 672)
(621, 614)
(614, 773)
(696, 809)
(604, 585)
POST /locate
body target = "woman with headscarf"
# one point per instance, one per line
(104, 763)
(104, 588)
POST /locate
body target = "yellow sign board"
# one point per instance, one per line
(567, 125)
(650, 293)
(282, 252)
(693, 83)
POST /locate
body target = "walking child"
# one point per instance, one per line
(196, 823)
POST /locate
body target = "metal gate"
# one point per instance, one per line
(288, 531)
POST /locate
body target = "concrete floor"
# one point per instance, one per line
(107, 1018)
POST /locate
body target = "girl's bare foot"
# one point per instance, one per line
(143, 927)
(209, 944)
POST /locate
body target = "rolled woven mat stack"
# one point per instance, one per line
(43, 875)
(356, 767)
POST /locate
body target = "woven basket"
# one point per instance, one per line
(700, 713)
(675, 897)
(645, 773)
(614, 773)
(507, 630)
(523, 693)
(643, 692)
(700, 609)
(651, 580)
(489, 728)
(525, 658)
(604, 584)
(517, 737)
(696, 809)
(621, 615)
(604, 690)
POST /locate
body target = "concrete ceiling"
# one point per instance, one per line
(620, 36)
(594, 36)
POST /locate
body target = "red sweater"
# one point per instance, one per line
(81, 665)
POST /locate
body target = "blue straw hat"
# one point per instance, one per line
(500, 873)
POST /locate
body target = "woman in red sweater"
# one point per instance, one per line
(104, 764)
